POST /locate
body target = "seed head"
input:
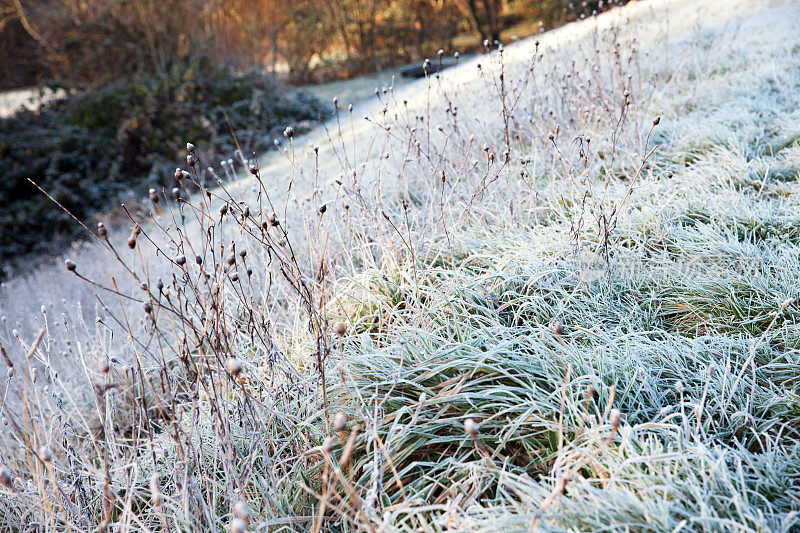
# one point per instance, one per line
(178, 173)
(176, 192)
(231, 259)
(614, 417)
(242, 512)
(223, 210)
(340, 422)
(190, 160)
(234, 366)
(322, 209)
(153, 196)
(101, 229)
(190, 148)
(340, 328)
(470, 427)
(155, 490)
(237, 525)
(656, 121)
(180, 259)
(70, 264)
(327, 445)
(273, 220)
(253, 170)
(45, 455)
(5, 479)
(288, 132)
(148, 308)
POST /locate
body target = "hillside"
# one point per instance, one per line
(554, 288)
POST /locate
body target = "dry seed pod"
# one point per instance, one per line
(340, 328)
(153, 196)
(155, 490)
(70, 264)
(180, 260)
(242, 512)
(614, 417)
(44, 454)
(190, 148)
(101, 229)
(471, 428)
(237, 525)
(234, 366)
(340, 422)
(288, 132)
(327, 445)
(5, 479)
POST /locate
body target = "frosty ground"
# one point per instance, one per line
(556, 286)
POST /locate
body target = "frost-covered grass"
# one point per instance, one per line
(527, 304)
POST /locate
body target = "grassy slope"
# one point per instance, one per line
(657, 392)
(692, 334)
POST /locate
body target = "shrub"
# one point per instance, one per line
(91, 147)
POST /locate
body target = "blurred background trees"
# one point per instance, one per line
(85, 42)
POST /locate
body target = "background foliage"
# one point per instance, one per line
(94, 146)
